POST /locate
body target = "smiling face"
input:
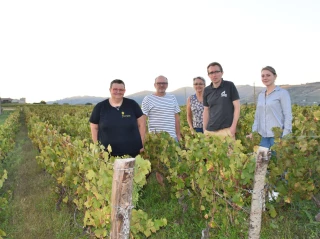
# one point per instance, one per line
(161, 85)
(117, 91)
(268, 78)
(198, 85)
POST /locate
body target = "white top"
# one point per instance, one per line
(273, 110)
(161, 111)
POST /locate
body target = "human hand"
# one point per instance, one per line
(142, 149)
(249, 136)
(233, 130)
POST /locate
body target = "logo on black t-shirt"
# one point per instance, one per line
(223, 94)
(125, 116)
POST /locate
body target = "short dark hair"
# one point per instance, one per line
(215, 64)
(117, 81)
(200, 78)
(271, 69)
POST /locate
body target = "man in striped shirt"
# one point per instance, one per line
(162, 109)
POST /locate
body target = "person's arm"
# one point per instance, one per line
(205, 117)
(287, 112)
(142, 128)
(94, 132)
(177, 123)
(236, 115)
(254, 126)
(206, 113)
(189, 114)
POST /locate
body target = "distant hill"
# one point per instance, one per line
(305, 94)
(78, 100)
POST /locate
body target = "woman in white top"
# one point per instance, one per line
(273, 109)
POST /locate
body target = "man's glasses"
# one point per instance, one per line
(213, 72)
(198, 84)
(119, 90)
(162, 83)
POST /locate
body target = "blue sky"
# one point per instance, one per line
(51, 50)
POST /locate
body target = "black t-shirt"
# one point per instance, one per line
(118, 127)
(220, 103)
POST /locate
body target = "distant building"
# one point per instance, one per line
(9, 100)
(6, 100)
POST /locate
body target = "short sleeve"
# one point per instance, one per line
(205, 96)
(137, 110)
(145, 105)
(95, 114)
(234, 93)
(177, 108)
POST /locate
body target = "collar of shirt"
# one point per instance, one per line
(221, 85)
(275, 89)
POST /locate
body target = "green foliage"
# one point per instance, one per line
(8, 131)
(215, 175)
(84, 172)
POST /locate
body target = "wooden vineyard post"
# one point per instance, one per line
(258, 194)
(121, 198)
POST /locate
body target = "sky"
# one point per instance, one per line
(50, 50)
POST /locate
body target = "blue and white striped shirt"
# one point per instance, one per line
(273, 110)
(161, 111)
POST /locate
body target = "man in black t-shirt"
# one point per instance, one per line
(221, 104)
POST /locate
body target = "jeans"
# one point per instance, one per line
(199, 130)
(267, 142)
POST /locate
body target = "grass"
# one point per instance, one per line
(183, 220)
(31, 210)
(294, 221)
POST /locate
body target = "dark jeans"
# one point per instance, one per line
(199, 130)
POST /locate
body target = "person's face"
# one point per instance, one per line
(268, 78)
(215, 74)
(117, 91)
(198, 85)
(161, 85)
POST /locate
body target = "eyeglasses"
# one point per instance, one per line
(119, 90)
(162, 83)
(213, 72)
(198, 84)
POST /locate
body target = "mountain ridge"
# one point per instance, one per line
(304, 94)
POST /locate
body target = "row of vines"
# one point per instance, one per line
(8, 131)
(216, 174)
(84, 170)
